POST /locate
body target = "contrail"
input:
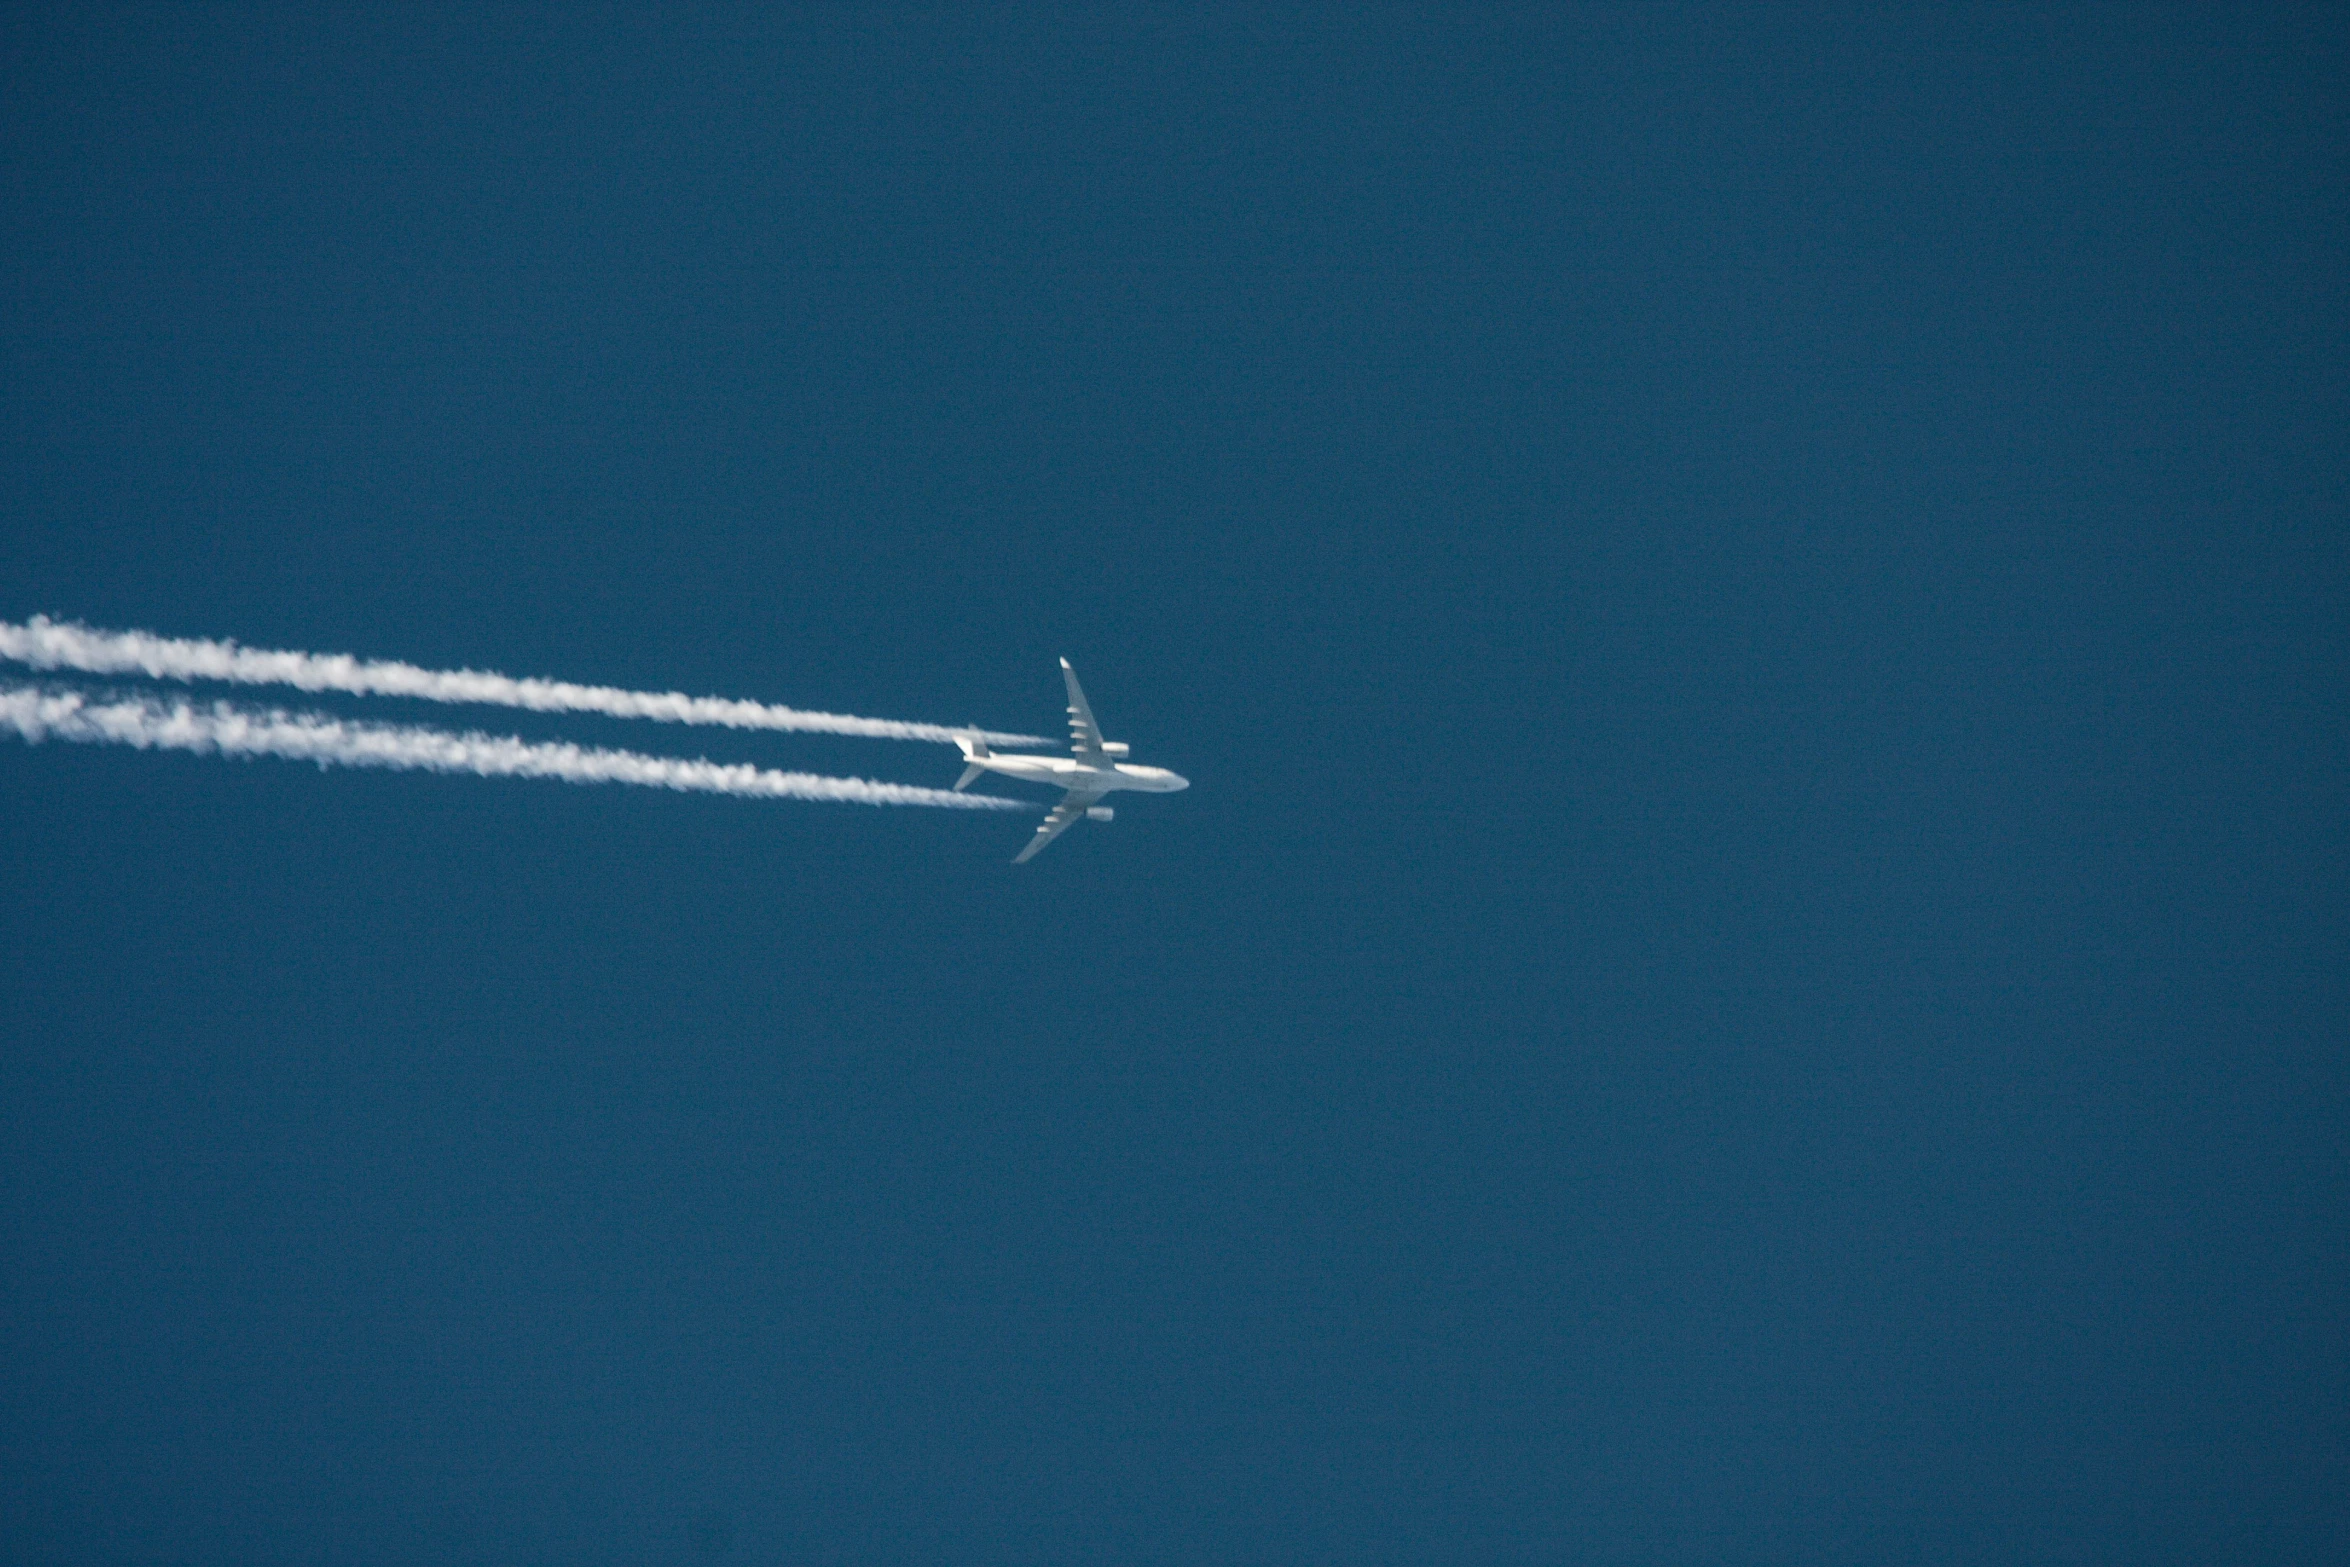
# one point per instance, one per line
(47, 644)
(228, 730)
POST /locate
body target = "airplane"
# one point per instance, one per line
(1093, 769)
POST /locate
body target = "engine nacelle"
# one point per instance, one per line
(1099, 813)
(1116, 750)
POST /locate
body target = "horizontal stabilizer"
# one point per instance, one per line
(971, 775)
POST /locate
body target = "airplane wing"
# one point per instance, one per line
(1085, 736)
(1071, 808)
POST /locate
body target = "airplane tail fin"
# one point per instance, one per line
(974, 748)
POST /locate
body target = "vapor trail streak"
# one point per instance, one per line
(227, 730)
(47, 644)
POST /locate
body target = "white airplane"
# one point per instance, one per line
(1093, 768)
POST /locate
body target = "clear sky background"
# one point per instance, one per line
(1754, 969)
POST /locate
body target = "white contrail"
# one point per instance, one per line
(228, 730)
(47, 644)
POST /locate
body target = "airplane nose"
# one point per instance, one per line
(1181, 782)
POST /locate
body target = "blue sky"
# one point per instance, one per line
(1751, 971)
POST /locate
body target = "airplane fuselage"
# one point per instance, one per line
(1067, 772)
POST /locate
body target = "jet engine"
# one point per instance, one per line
(1099, 813)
